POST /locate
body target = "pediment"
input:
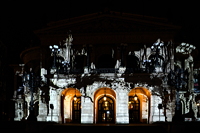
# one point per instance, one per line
(108, 23)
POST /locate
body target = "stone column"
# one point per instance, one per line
(42, 116)
(54, 106)
(87, 111)
(122, 116)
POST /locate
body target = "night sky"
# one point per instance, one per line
(18, 20)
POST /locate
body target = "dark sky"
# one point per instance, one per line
(18, 20)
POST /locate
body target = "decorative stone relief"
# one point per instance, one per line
(114, 85)
(90, 90)
(60, 82)
(120, 83)
(63, 83)
(99, 84)
(122, 69)
(139, 84)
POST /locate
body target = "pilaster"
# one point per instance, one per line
(156, 114)
(87, 111)
(122, 116)
(54, 106)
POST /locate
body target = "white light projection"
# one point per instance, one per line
(119, 86)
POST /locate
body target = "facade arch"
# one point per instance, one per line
(139, 105)
(70, 105)
(104, 97)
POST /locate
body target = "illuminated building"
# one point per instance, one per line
(120, 68)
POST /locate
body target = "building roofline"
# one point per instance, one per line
(111, 14)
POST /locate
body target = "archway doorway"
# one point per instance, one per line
(106, 110)
(71, 105)
(134, 109)
(139, 105)
(76, 110)
(105, 105)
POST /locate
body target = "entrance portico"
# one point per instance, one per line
(104, 105)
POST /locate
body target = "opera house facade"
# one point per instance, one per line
(108, 67)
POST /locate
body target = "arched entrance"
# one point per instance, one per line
(71, 105)
(134, 109)
(104, 105)
(105, 110)
(138, 105)
(76, 110)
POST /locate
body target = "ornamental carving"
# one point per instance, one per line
(62, 83)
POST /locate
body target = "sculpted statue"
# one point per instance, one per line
(66, 52)
(93, 66)
(188, 63)
(118, 63)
